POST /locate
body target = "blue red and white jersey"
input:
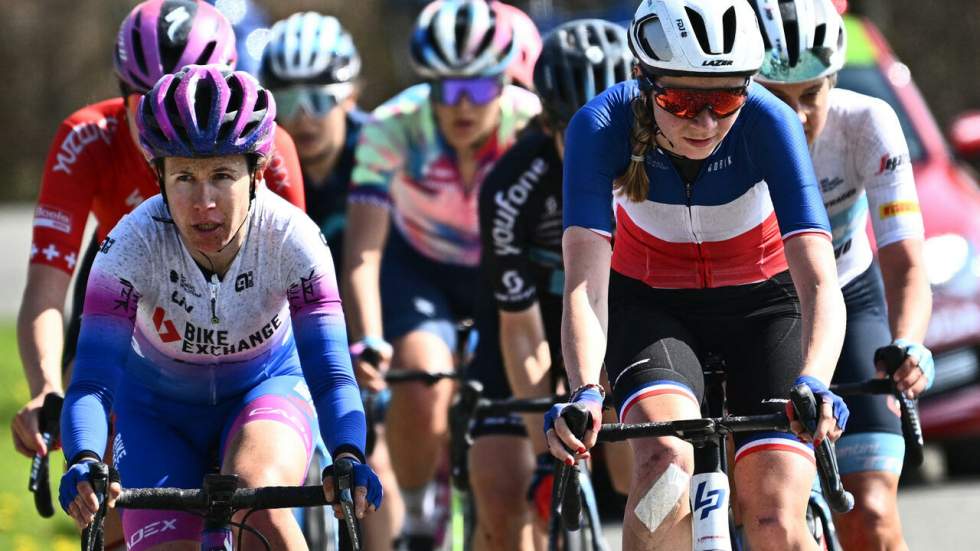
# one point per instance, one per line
(727, 228)
(154, 319)
(862, 162)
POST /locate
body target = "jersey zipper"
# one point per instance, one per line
(213, 284)
(702, 269)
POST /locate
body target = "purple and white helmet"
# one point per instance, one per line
(162, 36)
(207, 111)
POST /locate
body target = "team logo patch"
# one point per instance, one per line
(890, 163)
(896, 208)
(51, 217)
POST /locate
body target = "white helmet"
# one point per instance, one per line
(462, 38)
(696, 37)
(805, 40)
(309, 48)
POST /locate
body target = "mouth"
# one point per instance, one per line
(206, 228)
(463, 124)
(699, 142)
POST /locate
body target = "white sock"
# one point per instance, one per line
(420, 506)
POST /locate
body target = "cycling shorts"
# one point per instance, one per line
(873, 439)
(420, 294)
(658, 338)
(161, 443)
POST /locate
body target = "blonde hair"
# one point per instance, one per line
(634, 183)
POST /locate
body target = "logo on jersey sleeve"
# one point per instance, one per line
(107, 244)
(52, 217)
(896, 208)
(890, 163)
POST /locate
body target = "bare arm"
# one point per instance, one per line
(909, 301)
(585, 314)
(527, 360)
(811, 262)
(40, 338)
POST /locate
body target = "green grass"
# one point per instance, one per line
(21, 528)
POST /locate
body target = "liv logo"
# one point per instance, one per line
(709, 501)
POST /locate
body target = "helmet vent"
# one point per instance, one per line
(791, 27)
(206, 54)
(697, 25)
(173, 113)
(819, 35)
(138, 54)
(203, 99)
(729, 26)
(653, 40)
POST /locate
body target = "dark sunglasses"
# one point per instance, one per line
(480, 90)
(688, 103)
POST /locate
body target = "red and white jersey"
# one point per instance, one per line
(94, 166)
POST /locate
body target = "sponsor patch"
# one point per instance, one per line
(51, 217)
(896, 208)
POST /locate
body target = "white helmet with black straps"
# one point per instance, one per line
(461, 38)
(804, 39)
(696, 38)
(309, 48)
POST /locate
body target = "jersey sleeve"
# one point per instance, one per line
(310, 283)
(596, 153)
(112, 296)
(379, 157)
(885, 169)
(778, 147)
(503, 232)
(283, 175)
(68, 185)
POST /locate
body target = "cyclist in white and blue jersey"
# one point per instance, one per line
(212, 328)
(715, 204)
(862, 163)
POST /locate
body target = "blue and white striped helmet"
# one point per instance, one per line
(461, 38)
(309, 48)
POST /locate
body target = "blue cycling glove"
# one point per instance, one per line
(823, 394)
(363, 476)
(922, 356)
(68, 490)
(589, 396)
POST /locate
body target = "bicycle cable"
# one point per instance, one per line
(243, 527)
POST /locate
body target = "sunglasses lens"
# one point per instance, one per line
(480, 91)
(288, 102)
(688, 103)
(316, 100)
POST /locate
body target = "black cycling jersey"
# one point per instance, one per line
(520, 233)
(326, 201)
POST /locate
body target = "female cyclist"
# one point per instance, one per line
(520, 230)
(862, 163)
(94, 166)
(521, 70)
(420, 165)
(715, 204)
(186, 337)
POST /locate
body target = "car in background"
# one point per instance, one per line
(949, 197)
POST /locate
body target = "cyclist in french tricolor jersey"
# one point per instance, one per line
(862, 163)
(212, 325)
(715, 205)
(95, 166)
(519, 352)
(420, 164)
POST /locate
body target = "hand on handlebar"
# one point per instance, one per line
(78, 498)
(371, 357)
(561, 441)
(26, 430)
(367, 492)
(917, 372)
(833, 413)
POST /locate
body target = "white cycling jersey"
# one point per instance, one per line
(862, 162)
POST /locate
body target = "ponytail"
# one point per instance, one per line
(634, 183)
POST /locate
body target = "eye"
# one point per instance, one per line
(222, 176)
(184, 178)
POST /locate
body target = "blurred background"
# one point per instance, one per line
(57, 58)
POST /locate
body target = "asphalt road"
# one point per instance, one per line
(938, 516)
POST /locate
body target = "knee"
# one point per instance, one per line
(654, 456)
(500, 483)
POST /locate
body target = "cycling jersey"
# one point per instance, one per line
(153, 320)
(326, 201)
(94, 166)
(727, 228)
(404, 163)
(861, 157)
(520, 229)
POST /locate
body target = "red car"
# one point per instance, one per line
(950, 199)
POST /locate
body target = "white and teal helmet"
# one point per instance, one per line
(462, 38)
(804, 39)
(309, 48)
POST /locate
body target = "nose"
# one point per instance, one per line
(204, 196)
(705, 119)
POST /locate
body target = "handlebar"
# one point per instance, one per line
(893, 356)
(49, 419)
(566, 492)
(805, 404)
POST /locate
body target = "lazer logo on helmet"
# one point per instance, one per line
(717, 63)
